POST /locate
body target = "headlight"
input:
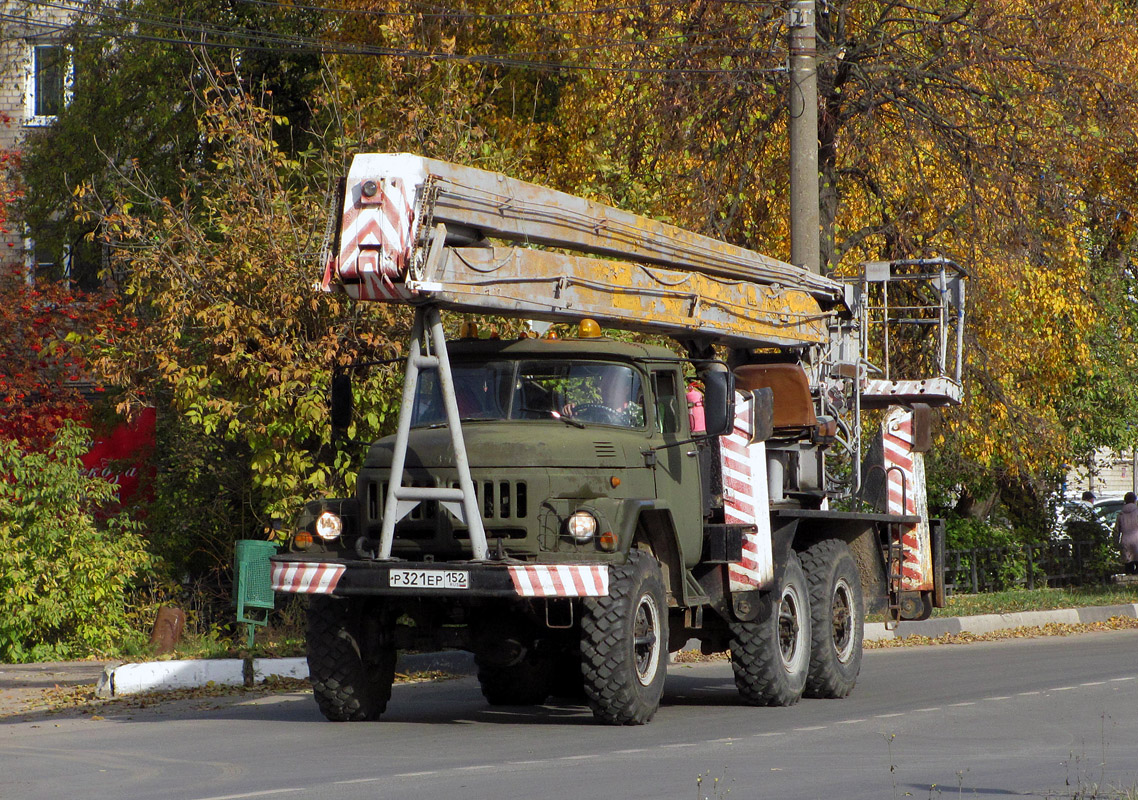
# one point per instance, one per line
(582, 526)
(329, 526)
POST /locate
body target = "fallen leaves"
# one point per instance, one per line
(1028, 632)
(81, 699)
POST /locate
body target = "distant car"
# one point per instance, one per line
(1104, 512)
(1107, 508)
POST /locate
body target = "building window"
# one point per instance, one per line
(48, 83)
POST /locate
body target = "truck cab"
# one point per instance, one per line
(584, 468)
(569, 442)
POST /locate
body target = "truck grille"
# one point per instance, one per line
(503, 499)
(498, 500)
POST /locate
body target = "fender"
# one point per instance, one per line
(652, 526)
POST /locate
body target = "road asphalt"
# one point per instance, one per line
(25, 688)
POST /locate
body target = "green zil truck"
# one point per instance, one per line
(572, 510)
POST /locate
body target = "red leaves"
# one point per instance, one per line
(42, 329)
(10, 190)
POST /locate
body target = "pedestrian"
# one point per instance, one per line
(1126, 532)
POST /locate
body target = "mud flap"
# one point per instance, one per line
(937, 535)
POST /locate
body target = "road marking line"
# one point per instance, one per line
(1025, 694)
(480, 767)
(582, 758)
(812, 728)
(682, 744)
(1116, 680)
(927, 710)
(527, 763)
(1064, 688)
(850, 721)
(415, 774)
(887, 716)
(1092, 683)
(632, 750)
(958, 705)
(999, 697)
(264, 793)
(366, 780)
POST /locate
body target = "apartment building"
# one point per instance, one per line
(35, 85)
(1106, 473)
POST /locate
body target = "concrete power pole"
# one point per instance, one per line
(805, 237)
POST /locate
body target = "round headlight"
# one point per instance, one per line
(329, 526)
(582, 526)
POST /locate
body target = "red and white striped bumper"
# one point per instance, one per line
(561, 580)
(301, 577)
(528, 580)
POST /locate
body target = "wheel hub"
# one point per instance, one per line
(842, 618)
(788, 627)
(646, 639)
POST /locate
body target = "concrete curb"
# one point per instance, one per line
(119, 680)
(987, 623)
(125, 679)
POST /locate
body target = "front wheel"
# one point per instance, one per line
(351, 660)
(624, 643)
(837, 618)
(771, 656)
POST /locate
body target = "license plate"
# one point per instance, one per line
(429, 579)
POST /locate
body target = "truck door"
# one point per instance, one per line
(677, 466)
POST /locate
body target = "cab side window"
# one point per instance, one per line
(667, 402)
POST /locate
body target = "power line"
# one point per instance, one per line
(458, 14)
(217, 37)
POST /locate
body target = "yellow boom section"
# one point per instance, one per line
(416, 230)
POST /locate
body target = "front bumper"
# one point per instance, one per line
(296, 573)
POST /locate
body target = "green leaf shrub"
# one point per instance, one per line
(66, 568)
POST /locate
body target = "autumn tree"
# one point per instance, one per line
(232, 333)
(9, 182)
(43, 362)
(43, 329)
(994, 133)
(984, 136)
(134, 111)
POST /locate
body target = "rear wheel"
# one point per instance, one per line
(771, 656)
(837, 619)
(624, 643)
(351, 659)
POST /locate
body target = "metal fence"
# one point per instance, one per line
(1066, 563)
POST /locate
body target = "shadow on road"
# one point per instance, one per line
(453, 702)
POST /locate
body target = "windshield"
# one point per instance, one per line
(595, 392)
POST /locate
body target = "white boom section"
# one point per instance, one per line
(406, 218)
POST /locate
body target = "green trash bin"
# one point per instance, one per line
(254, 576)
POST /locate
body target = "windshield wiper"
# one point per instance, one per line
(576, 423)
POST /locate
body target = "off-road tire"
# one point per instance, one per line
(526, 683)
(771, 655)
(351, 678)
(837, 619)
(624, 643)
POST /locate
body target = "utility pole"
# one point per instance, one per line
(805, 239)
(1134, 469)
